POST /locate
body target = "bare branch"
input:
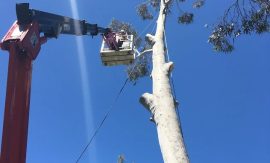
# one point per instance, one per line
(144, 52)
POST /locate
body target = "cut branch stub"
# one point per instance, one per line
(168, 67)
(147, 100)
(150, 38)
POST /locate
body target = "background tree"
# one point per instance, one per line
(161, 103)
(243, 17)
(121, 159)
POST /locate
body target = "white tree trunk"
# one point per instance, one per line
(161, 103)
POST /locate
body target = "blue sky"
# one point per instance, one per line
(224, 98)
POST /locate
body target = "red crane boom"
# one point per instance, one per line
(23, 42)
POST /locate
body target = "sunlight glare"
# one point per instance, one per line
(84, 79)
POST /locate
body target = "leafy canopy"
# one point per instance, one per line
(241, 18)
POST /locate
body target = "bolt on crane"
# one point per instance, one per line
(23, 42)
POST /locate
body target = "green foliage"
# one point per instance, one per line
(140, 68)
(198, 4)
(188, 17)
(185, 18)
(121, 159)
(155, 4)
(143, 11)
(240, 18)
(117, 26)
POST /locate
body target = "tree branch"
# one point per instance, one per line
(166, 1)
(142, 53)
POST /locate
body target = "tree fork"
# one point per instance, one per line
(161, 103)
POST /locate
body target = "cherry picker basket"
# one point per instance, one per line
(117, 49)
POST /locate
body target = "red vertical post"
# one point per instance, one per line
(23, 44)
(16, 115)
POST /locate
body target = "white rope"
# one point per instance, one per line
(171, 78)
(167, 49)
(147, 27)
(141, 33)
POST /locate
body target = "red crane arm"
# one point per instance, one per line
(23, 41)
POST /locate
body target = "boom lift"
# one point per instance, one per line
(23, 41)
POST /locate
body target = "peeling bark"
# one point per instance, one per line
(161, 103)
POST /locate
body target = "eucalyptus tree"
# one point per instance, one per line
(160, 103)
(242, 17)
(121, 159)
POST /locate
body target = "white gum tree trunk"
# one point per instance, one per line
(161, 103)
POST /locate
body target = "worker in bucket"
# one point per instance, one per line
(123, 37)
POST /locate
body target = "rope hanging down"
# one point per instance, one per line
(171, 75)
(104, 119)
(172, 85)
(147, 27)
(102, 122)
(111, 106)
